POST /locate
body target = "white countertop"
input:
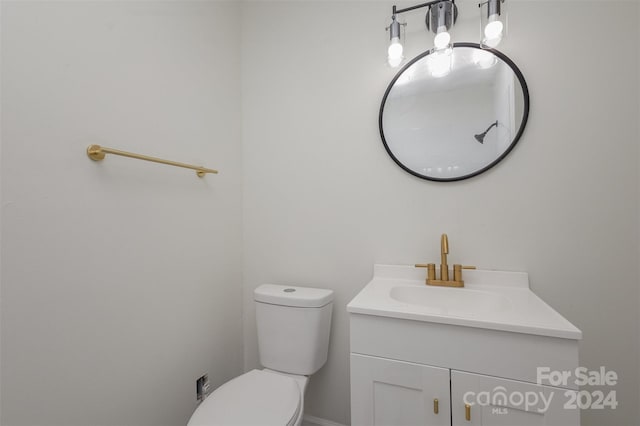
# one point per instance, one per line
(495, 300)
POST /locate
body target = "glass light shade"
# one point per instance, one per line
(394, 52)
(493, 23)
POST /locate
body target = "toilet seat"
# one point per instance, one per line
(259, 397)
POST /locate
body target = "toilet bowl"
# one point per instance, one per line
(259, 397)
(293, 326)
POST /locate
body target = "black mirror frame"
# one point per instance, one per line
(525, 113)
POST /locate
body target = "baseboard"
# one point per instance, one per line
(320, 422)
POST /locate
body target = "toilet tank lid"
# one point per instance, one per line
(287, 295)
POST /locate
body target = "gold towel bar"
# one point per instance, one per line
(97, 153)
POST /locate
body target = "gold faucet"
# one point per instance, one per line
(444, 251)
(444, 268)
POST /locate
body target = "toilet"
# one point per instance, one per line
(293, 339)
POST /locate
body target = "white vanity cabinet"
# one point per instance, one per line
(425, 380)
(418, 357)
(387, 392)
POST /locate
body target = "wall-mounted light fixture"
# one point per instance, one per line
(394, 53)
(493, 23)
(440, 19)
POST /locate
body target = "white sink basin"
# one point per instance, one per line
(452, 301)
(496, 300)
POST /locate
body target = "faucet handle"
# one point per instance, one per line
(431, 270)
(457, 271)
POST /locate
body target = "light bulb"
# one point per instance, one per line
(394, 62)
(395, 48)
(441, 40)
(395, 52)
(493, 30)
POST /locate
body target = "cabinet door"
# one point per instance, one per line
(501, 402)
(386, 392)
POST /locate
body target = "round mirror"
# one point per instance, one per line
(452, 115)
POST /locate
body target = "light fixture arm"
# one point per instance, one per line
(418, 6)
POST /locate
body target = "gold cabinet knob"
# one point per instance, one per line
(467, 412)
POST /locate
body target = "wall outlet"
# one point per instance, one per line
(202, 387)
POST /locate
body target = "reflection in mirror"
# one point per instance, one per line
(452, 115)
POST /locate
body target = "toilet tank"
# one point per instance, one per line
(293, 327)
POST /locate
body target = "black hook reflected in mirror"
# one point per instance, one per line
(480, 137)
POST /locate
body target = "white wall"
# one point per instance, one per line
(323, 202)
(121, 280)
